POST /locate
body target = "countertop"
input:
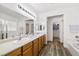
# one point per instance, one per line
(14, 44)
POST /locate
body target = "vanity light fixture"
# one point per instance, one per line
(20, 7)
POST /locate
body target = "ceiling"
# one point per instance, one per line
(42, 7)
(39, 8)
(46, 7)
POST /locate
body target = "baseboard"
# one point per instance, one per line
(49, 41)
(55, 37)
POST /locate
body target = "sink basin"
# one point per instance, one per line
(16, 41)
(19, 41)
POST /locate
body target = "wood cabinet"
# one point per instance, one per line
(30, 49)
(36, 47)
(16, 52)
(27, 50)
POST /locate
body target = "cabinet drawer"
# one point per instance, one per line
(28, 52)
(27, 46)
(16, 52)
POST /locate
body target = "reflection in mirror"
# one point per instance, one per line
(1, 29)
(29, 26)
(11, 29)
(8, 29)
(32, 28)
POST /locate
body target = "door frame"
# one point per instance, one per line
(62, 41)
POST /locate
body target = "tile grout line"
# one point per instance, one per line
(63, 51)
(57, 50)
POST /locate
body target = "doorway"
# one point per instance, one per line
(56, 31)
(55, 28)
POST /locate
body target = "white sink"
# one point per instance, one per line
(20, 41)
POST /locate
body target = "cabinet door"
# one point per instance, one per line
(35, 47)
(43, 40)
(28, 52)
(16, 52)
(27, 49)
(26, 46)
(40, 44)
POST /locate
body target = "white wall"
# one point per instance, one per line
(50, 30)
(40, 21)
(71, 17)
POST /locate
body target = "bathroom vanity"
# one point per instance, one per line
(30, 46)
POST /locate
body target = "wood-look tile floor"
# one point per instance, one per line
(55, 48)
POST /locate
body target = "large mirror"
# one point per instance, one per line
(8, 29)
